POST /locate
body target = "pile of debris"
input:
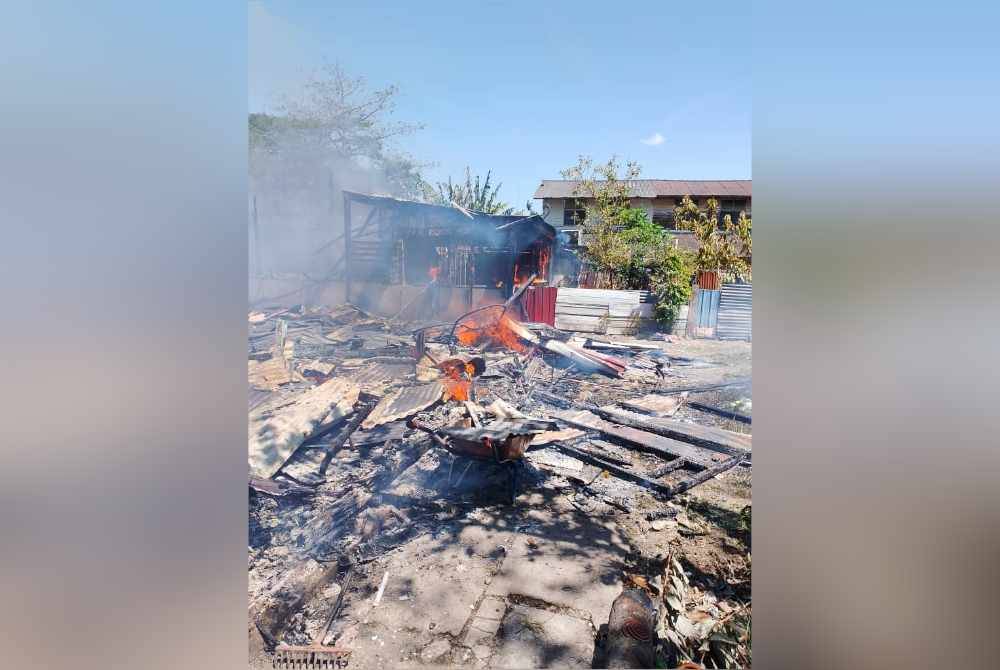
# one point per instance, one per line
(348, 411)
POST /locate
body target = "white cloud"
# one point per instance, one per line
(654, 140)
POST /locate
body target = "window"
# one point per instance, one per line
(664, 219)
(732, 208)
(575, 213)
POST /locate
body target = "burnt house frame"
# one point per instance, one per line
(388, 241)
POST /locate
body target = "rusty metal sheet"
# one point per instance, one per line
(404, 402)
(273, 436)
(374, 376)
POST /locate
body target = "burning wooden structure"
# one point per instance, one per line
(437, 261)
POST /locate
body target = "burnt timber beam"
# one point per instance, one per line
(714, 439)
(663, 489)
(360, 413)
(708, 473)
(617, 471)
(641, 441)
(709, 387)
(718, 411)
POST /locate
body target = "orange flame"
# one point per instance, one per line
(458, 381)
(484, 326)
(540, 253)
(457, 389)
(544, 253)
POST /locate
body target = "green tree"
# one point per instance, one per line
(623, 243)
(478, 195)
(605, 195)
(725, 248)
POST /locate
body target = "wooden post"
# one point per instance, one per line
(347, 248)
(513, 264)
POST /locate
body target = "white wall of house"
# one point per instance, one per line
(556, 208)
(553, 208)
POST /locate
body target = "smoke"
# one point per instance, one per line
(322, 133)
(297, 210)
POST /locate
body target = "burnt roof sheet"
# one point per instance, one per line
(403, 403)
(454, 215)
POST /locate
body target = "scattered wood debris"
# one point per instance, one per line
(350, 414)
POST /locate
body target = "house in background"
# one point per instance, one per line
(564, 205)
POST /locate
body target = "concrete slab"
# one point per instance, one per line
(567, 560)
(536, 638)
(443, 585)
(485, 623)
(430, 593)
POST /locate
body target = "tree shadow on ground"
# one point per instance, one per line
(729, 521)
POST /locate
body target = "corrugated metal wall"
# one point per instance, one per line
(605, 311)
(540, 304)
(703, 314)
(735, 312)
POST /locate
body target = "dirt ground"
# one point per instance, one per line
(462, 577)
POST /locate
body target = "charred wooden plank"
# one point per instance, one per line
(714, 439)
(708, 437)
(708, 387)
(617, 471)
(719, 411)
(668, 468)
(336, 444)
(708, 473)
(603, 455)
(639, 440)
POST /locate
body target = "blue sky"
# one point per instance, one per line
(524, 88)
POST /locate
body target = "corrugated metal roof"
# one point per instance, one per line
(374, 377)
(403, 403)
(273, 437)
(452, 212)
(655, 188)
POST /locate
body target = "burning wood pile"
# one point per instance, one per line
(349, 412)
